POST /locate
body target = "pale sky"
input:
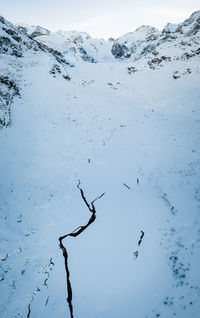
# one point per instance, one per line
(102, 18)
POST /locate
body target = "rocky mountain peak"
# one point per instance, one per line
(32, 30)
(147, 39)
(132, 43)
(190, 26)
(13, 41)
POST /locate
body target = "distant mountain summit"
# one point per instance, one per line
(132, 44)
(32, 30)
(146, 38)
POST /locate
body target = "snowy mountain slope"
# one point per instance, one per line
(17, 52)
(147, 39)
(74, 45)
(129, 129)
(13, 45)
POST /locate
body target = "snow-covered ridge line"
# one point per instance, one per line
(145, 47)
(17, 49)
(133, 45)
(146, 39)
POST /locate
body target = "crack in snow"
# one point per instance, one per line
(75, 233)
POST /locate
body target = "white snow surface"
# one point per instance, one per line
(110, 129)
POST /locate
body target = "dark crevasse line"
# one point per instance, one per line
(75, 233)
(126, 185)
(141, 238)
(29, 311)
(69, 287)
(136, 253)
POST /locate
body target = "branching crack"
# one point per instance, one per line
(75, 233)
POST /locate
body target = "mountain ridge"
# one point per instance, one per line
(131, 45)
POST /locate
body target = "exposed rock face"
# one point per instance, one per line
(190, 26)
(13, 46)
(111, 39)
(120, 50)
(12, 41)
(8, 89)
(32, 30)
(56, 70)
(132, 44)
(16, 45)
